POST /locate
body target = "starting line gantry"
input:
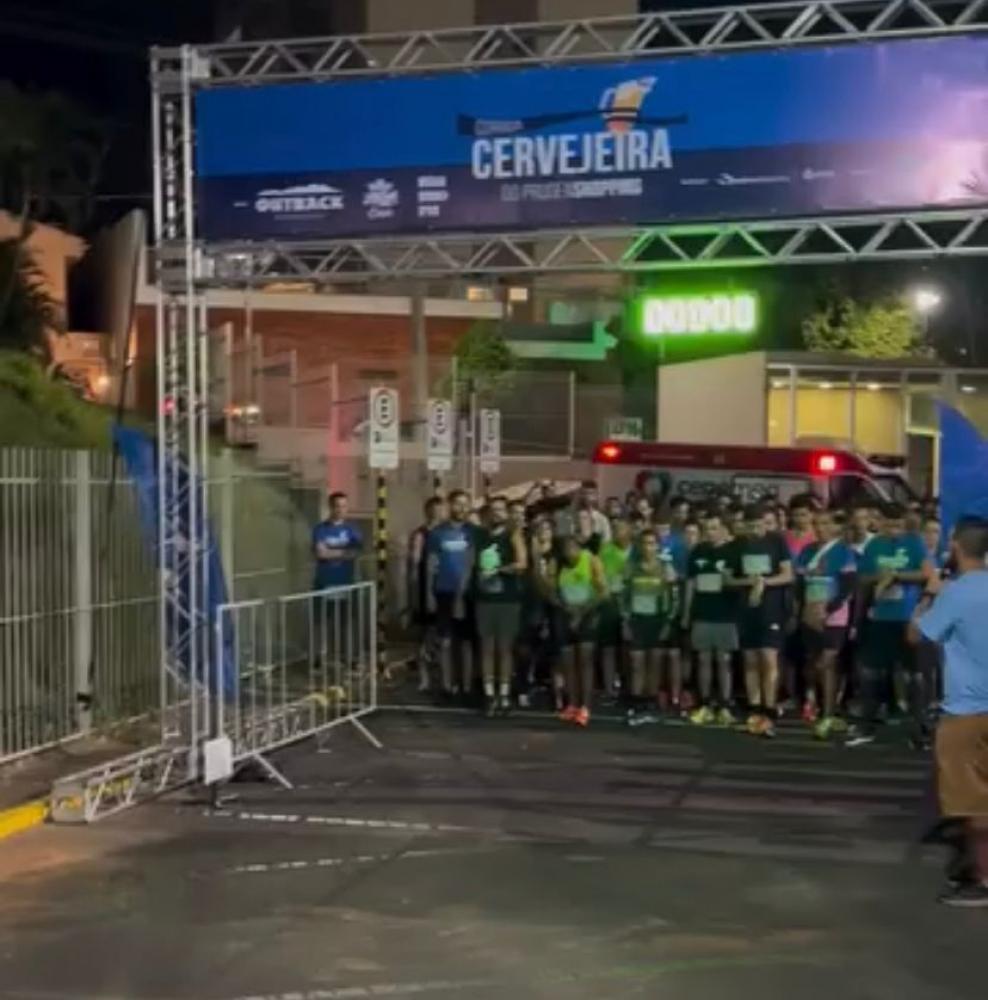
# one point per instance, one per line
(186, 266)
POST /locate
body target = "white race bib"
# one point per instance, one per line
(644, 604)
(710, 583)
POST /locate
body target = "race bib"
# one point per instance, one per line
(616, 585)
(819, 589)
(644, 604)
(576, 594)
(757, 565)
(710, 583)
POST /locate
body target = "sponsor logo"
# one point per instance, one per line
(629, 141)
(380, 199)
(305, 199)
(431, 195)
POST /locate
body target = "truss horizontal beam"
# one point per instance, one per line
(757, 25)
(656, 248)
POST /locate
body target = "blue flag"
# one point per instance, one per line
(963, 469)
(139, 452)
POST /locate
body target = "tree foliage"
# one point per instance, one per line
(31, 314)
(484, 360)
(879, 329)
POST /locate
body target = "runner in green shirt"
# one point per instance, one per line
(650, 604)
(581, 589)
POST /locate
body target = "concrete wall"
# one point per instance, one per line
(404, 15)
(714, 401)
(571, 10)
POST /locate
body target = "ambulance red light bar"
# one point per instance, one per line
(608, 453)
(825, 462)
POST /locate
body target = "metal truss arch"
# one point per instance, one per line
(886, 237)
(684, 32)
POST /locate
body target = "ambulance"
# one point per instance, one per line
(700, 472)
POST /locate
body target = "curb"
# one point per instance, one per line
(21, 818)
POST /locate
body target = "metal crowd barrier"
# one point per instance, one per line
(301, 665)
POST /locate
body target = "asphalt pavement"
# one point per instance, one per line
(514, 859)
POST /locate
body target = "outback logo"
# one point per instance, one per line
(380, 199)
(300, 200)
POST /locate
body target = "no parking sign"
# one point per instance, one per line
(383, 436)
(490, 442)
(439, 455)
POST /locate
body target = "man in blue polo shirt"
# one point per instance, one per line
(958, 620)
(336, 544)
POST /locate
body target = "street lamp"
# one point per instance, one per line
(926, 300)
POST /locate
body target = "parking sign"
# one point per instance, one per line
(490, 442)
(439, 453)
(383, 436)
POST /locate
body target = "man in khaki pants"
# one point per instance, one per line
(957, 619)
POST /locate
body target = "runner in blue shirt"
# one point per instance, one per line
(958, 620)
(451, 550)
(893, 568)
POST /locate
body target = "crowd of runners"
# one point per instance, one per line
(720, 613)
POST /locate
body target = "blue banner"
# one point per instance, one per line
(963, 469)
(860, 127)
(140, 457)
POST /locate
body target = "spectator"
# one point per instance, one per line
(417, 581)
(336, 544)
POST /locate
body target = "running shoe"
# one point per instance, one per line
(524, 701)
(634, 718)
(582, 717)
(753, 724)
(859, 737)
(568, 714)
(823, 729)
(702, 716)
(686, 701)
(967, 896)
(838, 725)
(725, 717)
(809, 713)
(768, 731)
(504, 706)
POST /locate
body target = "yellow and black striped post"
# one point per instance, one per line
(381, 548)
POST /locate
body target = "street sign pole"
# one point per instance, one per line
(383, 442)
(490, 445)
(439, 440)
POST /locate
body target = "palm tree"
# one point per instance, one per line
(31, 313)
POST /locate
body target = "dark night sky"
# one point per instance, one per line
(97, 52)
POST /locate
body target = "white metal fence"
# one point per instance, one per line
(78, 600)
(79, 610)
(295, 666)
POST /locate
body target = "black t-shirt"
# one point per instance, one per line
(764, 557)
(495, 549)
(712, 601)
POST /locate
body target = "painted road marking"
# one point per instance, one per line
(266, 867)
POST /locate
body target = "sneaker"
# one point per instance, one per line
(768, 731)
(809, 713)
(702, 716)
(634, 718)
(966, 896)
(725, 717)
(524, 701)
(582, 717)
(686, 702)
(648, 719)
(753, 724)
(838, 725)
(787, 707)
(823, 729)
(859, 737)
(491, 707)
(568, 714)
(504, 706)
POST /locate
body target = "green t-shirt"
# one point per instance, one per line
(576, 588)
(614, 560)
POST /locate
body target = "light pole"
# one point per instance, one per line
(926, 300)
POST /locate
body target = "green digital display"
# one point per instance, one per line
(696, 315)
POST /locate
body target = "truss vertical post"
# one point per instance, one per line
(183, 424)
